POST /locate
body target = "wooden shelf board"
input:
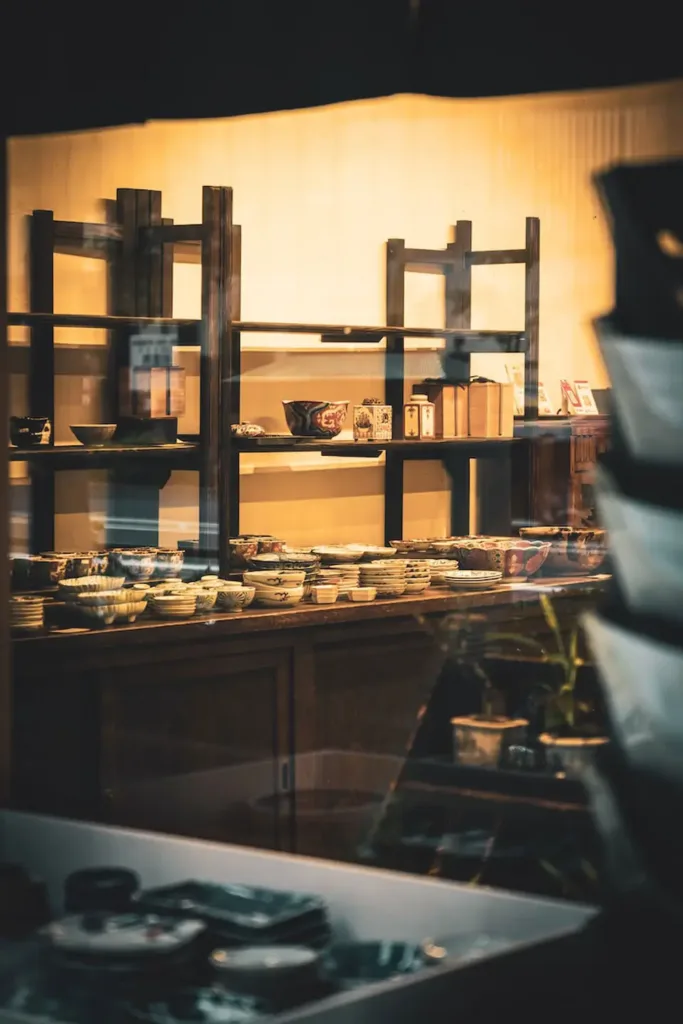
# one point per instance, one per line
(436, 448)
(260, 620)
(80, 455)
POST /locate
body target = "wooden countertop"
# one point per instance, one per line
(261, 620)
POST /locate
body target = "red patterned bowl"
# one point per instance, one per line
(516, 559)
(575, 552)
(315, 419)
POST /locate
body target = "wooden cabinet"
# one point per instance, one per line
(239, 729)
(558, 457)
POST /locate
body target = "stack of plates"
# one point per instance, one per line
(472, 579)
(388, 578)
(439, 566)
(245, 915)
(418, 576)
(26, 612)
(348, 576)
(180, 605)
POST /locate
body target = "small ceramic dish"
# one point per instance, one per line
(324, 594)
(373, 550)
(279, 597)
(235, 597)
(360, 594)
(472, 579)
(266, 578)
(93, 435)
(70, 589)
(337, 554)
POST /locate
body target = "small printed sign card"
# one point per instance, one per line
(578, 398)
(544, 406)
(515, 375)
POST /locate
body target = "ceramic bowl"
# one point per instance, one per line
(285, 560)
(93, 435)
(279, 597)
(324, 594)
(415, 587)
(70, 589)
(515, 558)
(242, 550)
(29, 431)
(235, 597)
(134, 563)
(267, 544)
(106, 614)
(205, 599)
(308, 418)
(167, 561)
(77, 564)
(361, 594)
(374, 551)
(94, 598)
(264, 578)
(575, 552)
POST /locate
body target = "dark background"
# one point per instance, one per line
(71, 66)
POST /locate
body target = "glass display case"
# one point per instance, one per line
(303, 440)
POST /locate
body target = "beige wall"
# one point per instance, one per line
(317, 193)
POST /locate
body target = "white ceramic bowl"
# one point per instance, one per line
(279, 597)
(362, 594)
(264, 578)
(337, 554)
(205, 598)
(88, 584)
(106, 597)
(105, 614)
(235, 597)
(324, 594)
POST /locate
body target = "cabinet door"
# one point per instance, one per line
(192, 746)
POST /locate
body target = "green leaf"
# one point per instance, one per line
(552, 622)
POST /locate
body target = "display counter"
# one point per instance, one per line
(191, 727)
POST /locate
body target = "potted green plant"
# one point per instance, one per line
(480, 740)
(569, 739)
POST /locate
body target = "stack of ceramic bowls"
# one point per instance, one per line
(70, 589)
(181, 604)
(26, 613)
(346, 576)
(418, 576)
(289, 561)
(103, 607)
(229, 595)
(437, 568)
(387, 577)
(277, 589)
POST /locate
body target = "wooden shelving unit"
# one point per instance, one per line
(140, 247)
